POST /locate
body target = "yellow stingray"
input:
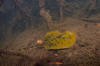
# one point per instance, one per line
(57, 40)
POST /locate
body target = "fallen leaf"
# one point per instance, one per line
(98, 24)
(56, 55)
(57, 63)
(31, 48)
(39, 41)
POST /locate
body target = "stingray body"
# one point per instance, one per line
(57, 40)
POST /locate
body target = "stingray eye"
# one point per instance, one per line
(64, 37)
